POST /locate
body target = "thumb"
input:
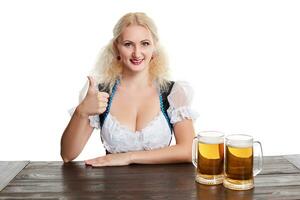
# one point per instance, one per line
(91, 83)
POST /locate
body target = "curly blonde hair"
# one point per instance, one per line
(107, 69)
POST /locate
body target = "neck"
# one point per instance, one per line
(132, 80)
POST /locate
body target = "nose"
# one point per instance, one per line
(136, 52)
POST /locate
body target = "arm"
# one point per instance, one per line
(181, 152)
(79, 130)
(75, 136)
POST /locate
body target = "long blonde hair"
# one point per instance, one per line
(108, 69)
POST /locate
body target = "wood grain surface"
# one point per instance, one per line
(280, 179)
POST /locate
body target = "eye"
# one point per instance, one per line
(145, 43)
(127, 44)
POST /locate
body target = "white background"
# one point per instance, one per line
(241, 58)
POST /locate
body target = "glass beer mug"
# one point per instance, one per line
(208, 157)
(238, 169)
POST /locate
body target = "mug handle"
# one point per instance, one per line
(260, 158)
(195, 151)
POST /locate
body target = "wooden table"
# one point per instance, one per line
(280, 179)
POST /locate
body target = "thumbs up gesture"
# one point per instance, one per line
(95, 102)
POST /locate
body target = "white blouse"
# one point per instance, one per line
(118, 138)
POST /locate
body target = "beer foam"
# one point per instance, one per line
(239, 141)
(240, 144)
(211, 140)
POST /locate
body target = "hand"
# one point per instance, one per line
(95, 102)
(118, 159)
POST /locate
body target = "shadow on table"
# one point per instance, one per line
(217, 192)
(75, 177)
(83, 181)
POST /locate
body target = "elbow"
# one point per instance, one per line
(66, 155)
(65, 158)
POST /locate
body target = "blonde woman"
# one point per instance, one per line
(131, 101)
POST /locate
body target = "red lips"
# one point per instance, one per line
(136, 61)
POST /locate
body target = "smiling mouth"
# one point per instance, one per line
(136, 61)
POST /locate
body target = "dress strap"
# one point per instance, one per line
(104, 115)
(162, 108)
(164, 103)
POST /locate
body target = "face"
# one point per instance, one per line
(136, 47)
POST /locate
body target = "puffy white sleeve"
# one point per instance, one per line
(180, 99)
(94, 119)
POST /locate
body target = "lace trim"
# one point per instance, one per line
(94, 121)
(126, 140)
(124, 127)
(181, 113)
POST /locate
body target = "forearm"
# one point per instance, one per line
(172, 154)
(181, 152)
(75, 136)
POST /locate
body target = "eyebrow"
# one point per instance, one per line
(145, 40)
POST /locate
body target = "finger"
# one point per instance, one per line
(101, 98)
(91, 161)
(91, 82)
(88, 162)
(102, 104)
(101, 110)
(100, 164)
(104, 94)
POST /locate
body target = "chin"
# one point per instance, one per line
(136, 68)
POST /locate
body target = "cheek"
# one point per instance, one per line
(149, 52)
(124, 52)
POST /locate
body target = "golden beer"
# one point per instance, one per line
(238, 168)
(239, 163)
(208, 157)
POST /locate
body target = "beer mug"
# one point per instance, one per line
(238, 169)
(208, 157)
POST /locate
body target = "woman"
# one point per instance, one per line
(130, 106)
